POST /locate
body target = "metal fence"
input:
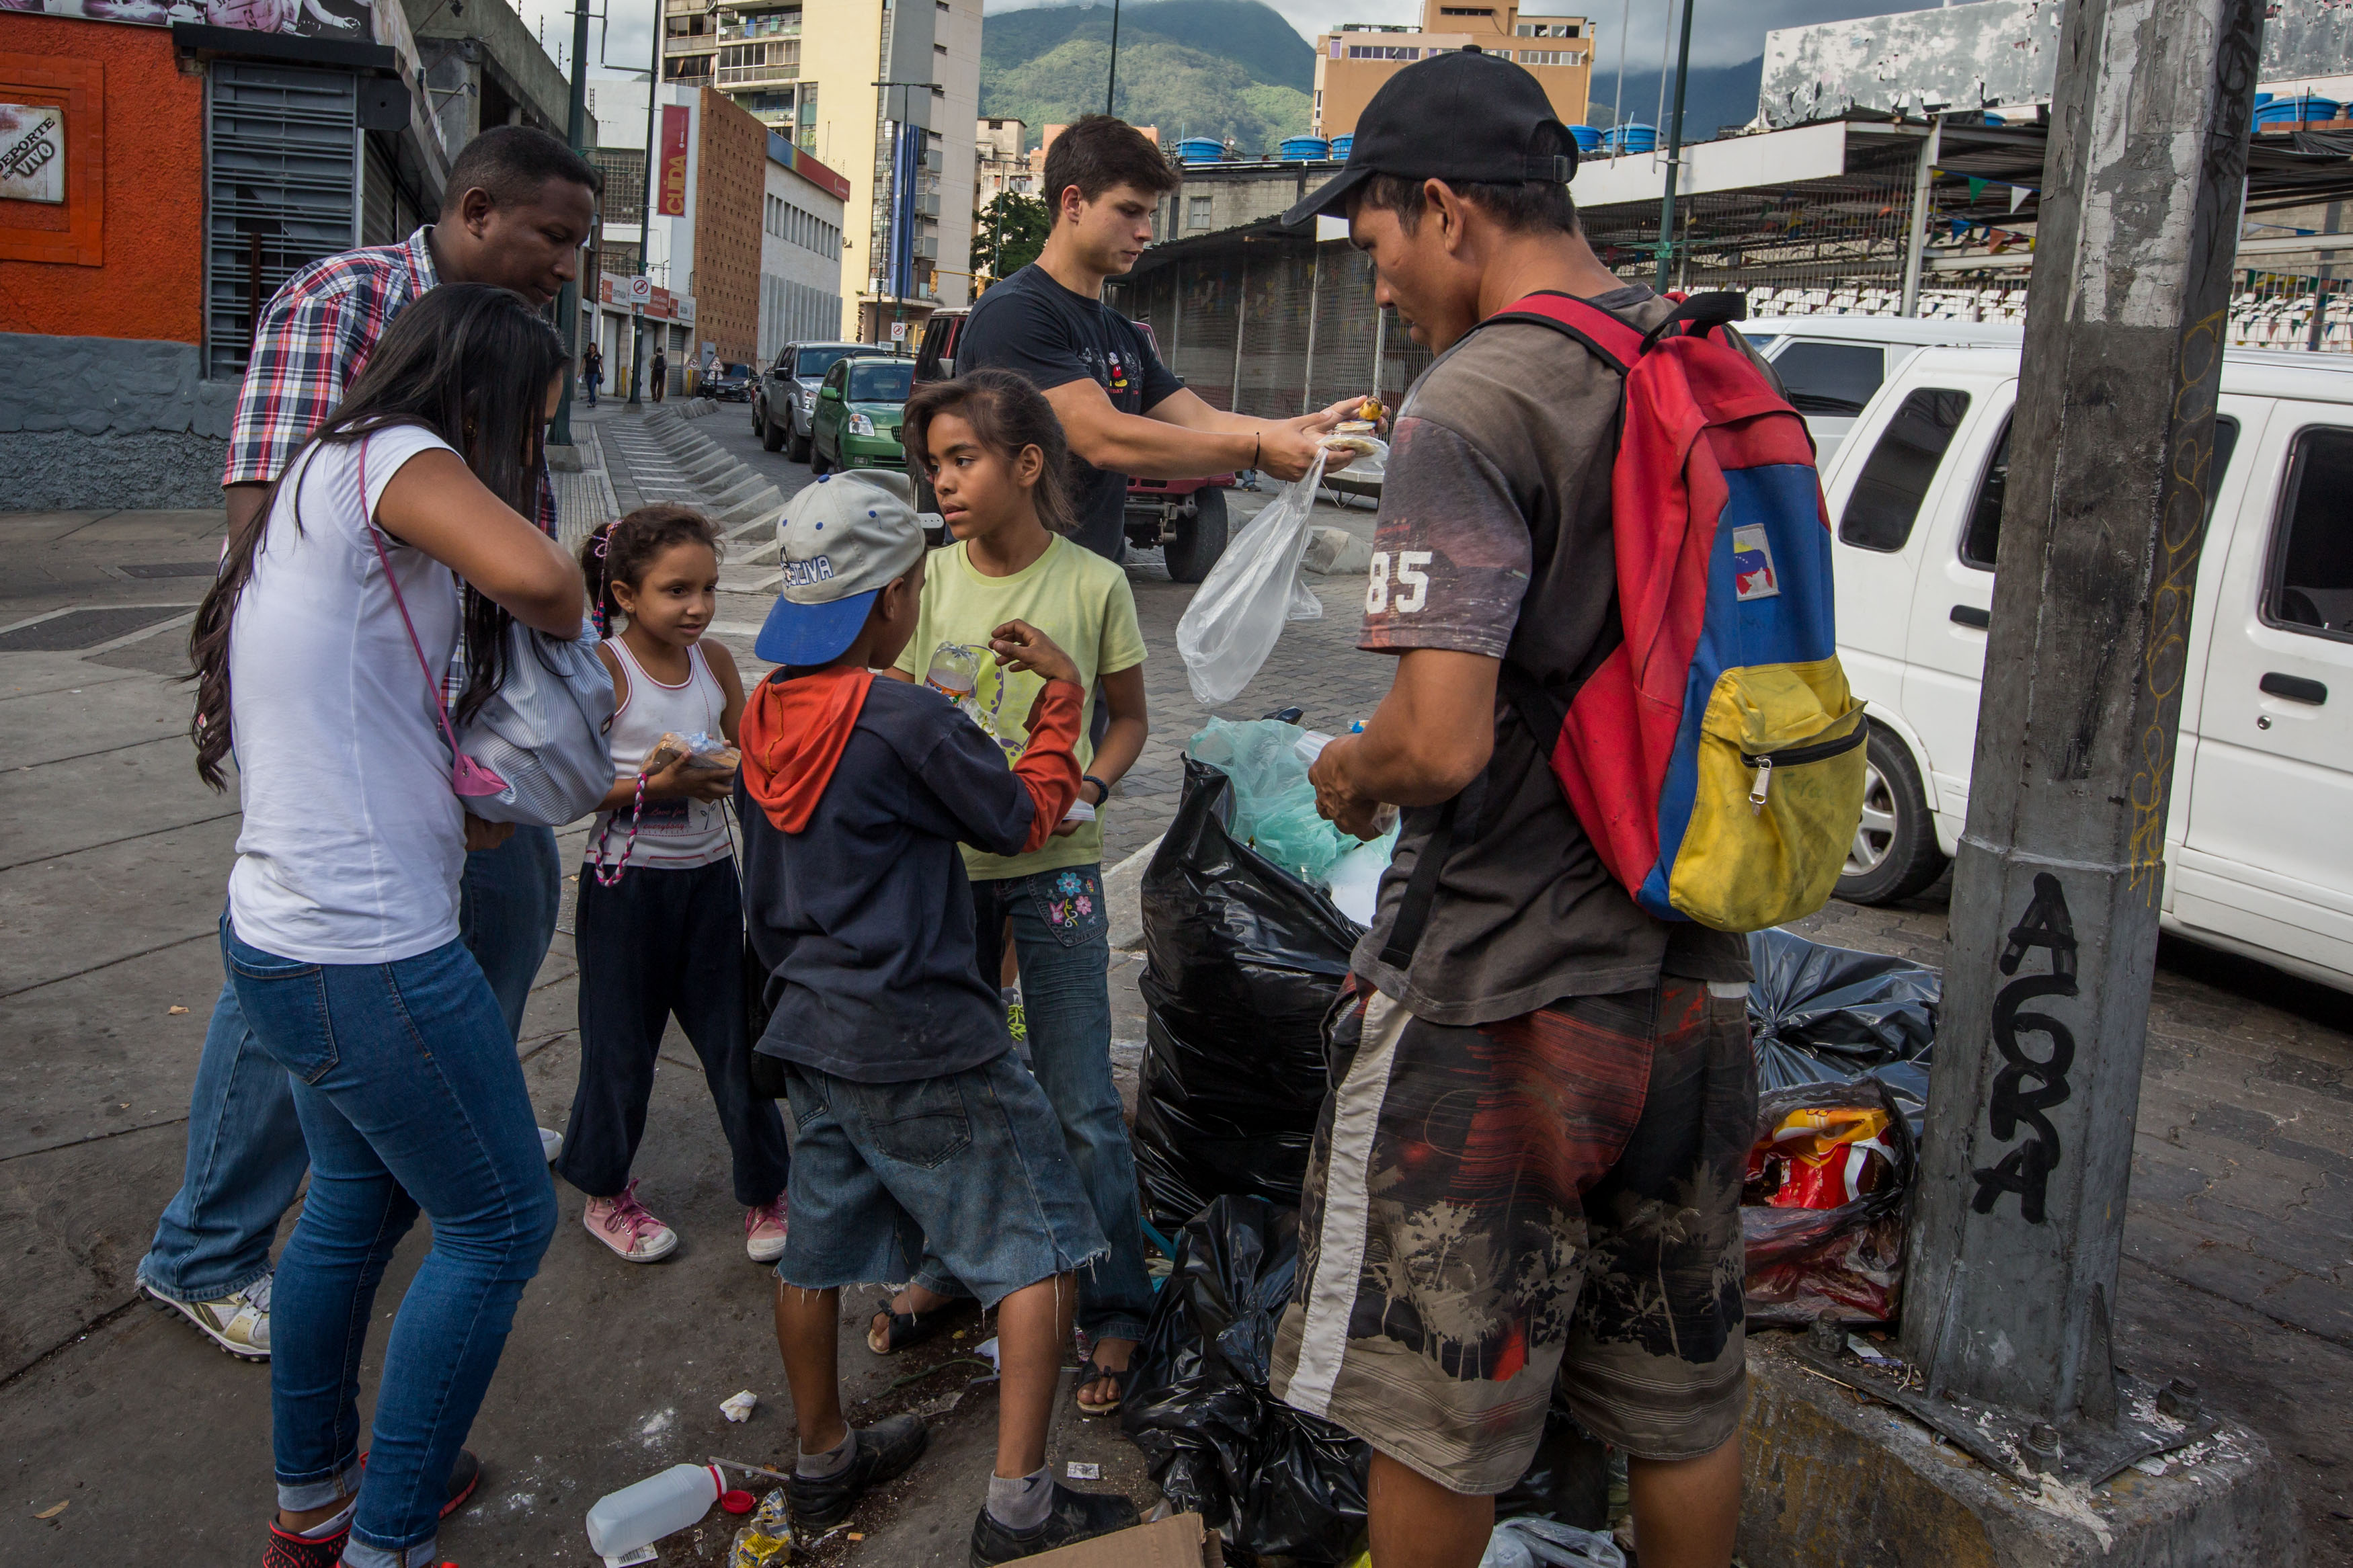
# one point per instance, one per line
(1275, 326)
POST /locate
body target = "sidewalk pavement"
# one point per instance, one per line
(2238, 1238)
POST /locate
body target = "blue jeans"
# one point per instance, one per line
(246, 1158)
(1065, 953)
(411, 1097)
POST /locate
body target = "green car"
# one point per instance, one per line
(856, 424)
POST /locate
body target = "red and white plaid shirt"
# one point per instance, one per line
(316, 334)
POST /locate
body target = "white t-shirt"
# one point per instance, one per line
(353, 843)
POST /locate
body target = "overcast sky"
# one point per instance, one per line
(1724, 32)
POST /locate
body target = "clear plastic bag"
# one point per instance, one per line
(1235, 617)
(1274, 805)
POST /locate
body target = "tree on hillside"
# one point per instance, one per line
(1008, 233)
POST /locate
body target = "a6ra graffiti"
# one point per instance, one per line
(2027, 1086)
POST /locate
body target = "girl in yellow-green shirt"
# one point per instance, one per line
(996, 457)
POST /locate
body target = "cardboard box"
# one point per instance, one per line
(1181, 1540)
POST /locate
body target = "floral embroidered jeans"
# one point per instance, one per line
(1062, 934)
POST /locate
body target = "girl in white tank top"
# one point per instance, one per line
(658, 928)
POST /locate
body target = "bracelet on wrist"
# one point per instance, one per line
(1105, 788)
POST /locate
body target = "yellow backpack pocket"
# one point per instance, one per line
(1777, 799)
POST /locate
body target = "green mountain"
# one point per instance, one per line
(1193, 67)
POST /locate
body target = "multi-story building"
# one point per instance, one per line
(745, 242)
(869, 88)
(1353, 62)
(1000, 164)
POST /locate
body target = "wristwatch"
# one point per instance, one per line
(1105, 788)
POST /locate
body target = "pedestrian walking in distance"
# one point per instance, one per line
(592, 371)
(661, 375)
(344, 891)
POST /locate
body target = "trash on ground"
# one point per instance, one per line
(1243, 960)
(767, 1538)
(632, 1558)
(174, 1012)
(735, 1500)
(1178, 1541)
(1821, 1013)
(1823, 1208)
(1238, 611)
(986, 1350)
(1077, 1470)
(738, 1407)
(1269, 1479)
(1532, 1542)
(639, 1514)
(53, 1510)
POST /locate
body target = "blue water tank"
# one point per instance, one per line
(1637, 138)
(2297, 107)
(1304, 150)
(1340, 145)
(1589, 140)
(1200, 150)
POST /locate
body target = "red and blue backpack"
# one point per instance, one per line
(1712, 751)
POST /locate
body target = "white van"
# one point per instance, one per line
(1832, 365)
(2259, 841)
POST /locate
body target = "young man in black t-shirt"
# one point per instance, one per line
(1125, 413)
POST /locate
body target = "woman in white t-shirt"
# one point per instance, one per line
(342, 937)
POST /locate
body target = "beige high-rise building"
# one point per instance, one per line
(1352, 63)
(904, 248)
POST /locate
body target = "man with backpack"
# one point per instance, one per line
(1529, 1172)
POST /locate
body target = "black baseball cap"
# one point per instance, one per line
(1462, 115)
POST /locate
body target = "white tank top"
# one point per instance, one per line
(677, 834)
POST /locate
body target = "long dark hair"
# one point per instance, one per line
(1008, 414)
(620, 552)
(468, 362)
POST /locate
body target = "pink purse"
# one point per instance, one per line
(467, 776)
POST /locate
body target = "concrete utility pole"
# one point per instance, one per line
(567, 304)
(638, 356)
(2020, 1214)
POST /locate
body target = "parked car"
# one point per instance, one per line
(785, 393)
(1832, 365)
(1184, 517)
(858, 405)
(730, 382)
(2259, 860)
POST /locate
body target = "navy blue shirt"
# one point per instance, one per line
(1032, 325)
(864, 918)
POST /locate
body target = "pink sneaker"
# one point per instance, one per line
(623, 1224)
(763, 1231)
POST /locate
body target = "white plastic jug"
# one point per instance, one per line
(640, 1515)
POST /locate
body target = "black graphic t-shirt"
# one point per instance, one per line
(1031, 324)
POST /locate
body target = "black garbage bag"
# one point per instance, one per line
(1245, 959)
(1820, 1014)
(1271, 1482)
(1843, 1262)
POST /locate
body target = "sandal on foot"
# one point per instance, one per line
(905, 1329)
(1095, 1371)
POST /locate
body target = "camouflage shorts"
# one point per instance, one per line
(1555, 1198)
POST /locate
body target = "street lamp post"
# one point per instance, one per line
(646, 217)
(1111, 81)
(567, 304)
(1675, 152)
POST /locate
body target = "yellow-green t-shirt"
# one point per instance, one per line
(1074, 597)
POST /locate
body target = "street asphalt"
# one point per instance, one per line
(2238, 1238)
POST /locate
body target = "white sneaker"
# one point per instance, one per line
(551, 1142)
(623, 1224)
(238, 1322)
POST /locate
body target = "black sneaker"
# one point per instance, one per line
(884, 1451)
(1072, 1517)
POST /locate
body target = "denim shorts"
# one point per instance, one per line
(972, 1163)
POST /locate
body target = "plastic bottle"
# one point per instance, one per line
(640, 1515)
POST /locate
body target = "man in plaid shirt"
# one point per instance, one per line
(518, 205)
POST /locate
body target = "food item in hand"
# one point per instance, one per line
(700, 750)
(1353, 444)
(1369, 411)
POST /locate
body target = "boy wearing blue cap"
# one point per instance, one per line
(915, 1119)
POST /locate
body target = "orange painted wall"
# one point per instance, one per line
(151, 282)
